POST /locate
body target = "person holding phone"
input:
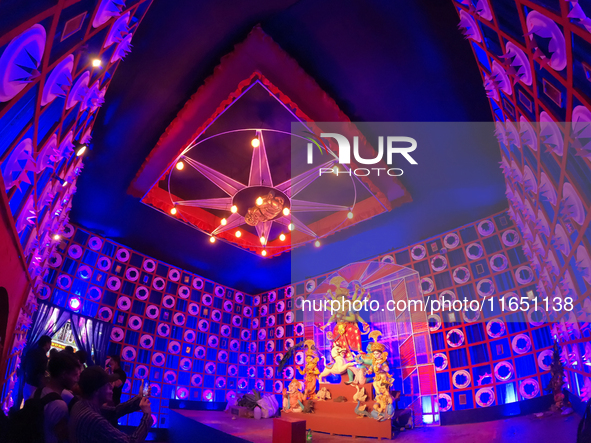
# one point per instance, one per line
(114, 365)
(90, 418)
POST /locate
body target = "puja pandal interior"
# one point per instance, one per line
(157, 205)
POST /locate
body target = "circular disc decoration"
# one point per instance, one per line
(168, 301)
(499, 262)
(289, 372)
(521, 344)
(228, 306)
(434, 321)
(207, 299)
(104, 264)
(263, 310)
(152, 311)
(193, 309)
(543, 357)
(268, 372)
(510, 237)
(271, 320)
(184, 292)
(387, 259)
(198, 283)
(225, 330)
(44, 292)
(174, 274)
(142, 292)
(113, 283)
(117, 334)
(272, 296)
(504, 371)
(444, 402)
(278, 386)
(179, 319)
(203, 325)
(132, 274)
(247, 311)
(299, 329)
(474, 251)
(289, 291)
(447, 296)
(486, 228)
(255, 323)
(495, 328)
(440, 361)
(470, 316)
(95, 243)
(158, 283)
(418, 252)
(455, 338)
(438, 263)
(208, 395)
(158, 359)
(252, 347)
(213, 341)
(288, 344)
(105, 314)
(289, 317)
(262, 334)
(189, 336)
(199, 352)
(149, 265)
(485, 287)
(182, 393)
(163, 329)
(310, 285)
(124, 303)
(245, 334)
(451, 240)
(55, 260)
(236, 320)
(170, 377)
(529, 388)
(232, 371)
(141, 372)
(196, 379)
(64, 281)
(280, 306)
(270, 345)
(461, 379)
(279, 332)
(239, 297)
(216, 315)
(75, 251)
(146, 341)
(485, 397)
(243, 359)
(128, 353)
(210, 367)
(242, 384)
(234, 345)
(536, 317)
(174, 347)
(524, 275)
(461, 275)
(122, 255)
(220, 291)
(427, 285)
(84, 272)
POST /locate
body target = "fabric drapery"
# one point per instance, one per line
(92, 336)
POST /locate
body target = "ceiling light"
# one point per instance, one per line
(238, 234)
(255, 142)
(259, 201)
(282, 237)
(263, 239)
(173, 211)
(74, 303)
(180, 166)
(264, 253)
(234, 209)
(286, 211)
(57, 237)
(291, 226)
(335, 170)
(317, 243)
(81, 151)
(96, 62)
(212, 239)
(224, 222)
(350, 215)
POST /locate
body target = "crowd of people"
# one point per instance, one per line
(80, 404)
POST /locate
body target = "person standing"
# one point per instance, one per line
(35, 365)
(114, 365)
(89, 421)
(64, 372)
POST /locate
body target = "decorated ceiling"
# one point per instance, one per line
(286, 62)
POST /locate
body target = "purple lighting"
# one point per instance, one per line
(75, 303)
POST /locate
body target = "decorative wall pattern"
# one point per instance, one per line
(535, 60)
(50, 92)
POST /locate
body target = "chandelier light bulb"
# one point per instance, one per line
(282, 237)
(317, 243)
(234, 209)
(286, 211)
(263, 240)
(96, 62)
(224, 222)
(238, 234)
(180, 166)
(291, 226)
(212, 239)
(173, 211)
(255, 142)
(81, 151)
(350, 215)
(259, 201)
(56, 237)
(264, 253)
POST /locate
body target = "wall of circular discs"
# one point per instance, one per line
(485, 359)
(535, 61)
(190, 337)
(50, 93)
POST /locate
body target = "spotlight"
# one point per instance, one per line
(57, 237)
(180, 166)
(264, 253)
(224, 222)
(173, 211)
(255, 142)
(282, 237)
(96, 62)
(263, 239)
(238, 234)
(212, 239)
(74, 303)
(81, 150)
(350, 215)
(291, 226)
(335, 170)
(259, 201)
(317, 243)
(234, 209)
(286, 211)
